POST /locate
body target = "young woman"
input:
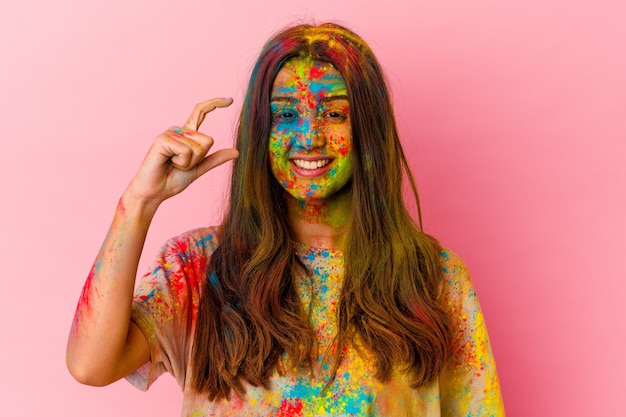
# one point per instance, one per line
(318, 294)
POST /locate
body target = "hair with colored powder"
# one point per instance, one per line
(250, 313)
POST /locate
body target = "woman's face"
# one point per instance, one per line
(310, 146)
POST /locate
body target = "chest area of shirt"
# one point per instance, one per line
(319, 287)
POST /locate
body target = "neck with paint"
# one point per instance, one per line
(321, 223)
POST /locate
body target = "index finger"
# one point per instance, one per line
(199, 112)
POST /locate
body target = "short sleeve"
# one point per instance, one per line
(165, 305)
(469, 385)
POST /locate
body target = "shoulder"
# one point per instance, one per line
(451, 262)
(196, 242)
(459, 297)
(182, 261)
(456, 276)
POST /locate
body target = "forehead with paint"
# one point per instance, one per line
(311, 139)
(310, 80)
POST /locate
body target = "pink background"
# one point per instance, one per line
(513, 115)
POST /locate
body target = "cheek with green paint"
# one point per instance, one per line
(310, 146)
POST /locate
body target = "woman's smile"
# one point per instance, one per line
(311, 167)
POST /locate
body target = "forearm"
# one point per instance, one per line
(98, 347)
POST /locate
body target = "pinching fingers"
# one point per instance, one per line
(187, 147)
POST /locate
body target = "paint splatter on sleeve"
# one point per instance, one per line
(165, 305)
(470, 385)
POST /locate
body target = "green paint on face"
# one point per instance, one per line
(310, 146)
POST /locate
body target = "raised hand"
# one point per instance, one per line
(104, 344)
(179, 156)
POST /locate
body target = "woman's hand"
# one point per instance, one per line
(178, 157)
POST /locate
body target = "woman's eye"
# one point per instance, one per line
(285, 115)
(336, 116)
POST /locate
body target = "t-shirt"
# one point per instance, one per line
(165, 308)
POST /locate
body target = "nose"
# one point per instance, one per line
(311, 135)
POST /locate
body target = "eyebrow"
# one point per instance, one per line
(291, 100)
(283, 98)
(333, 98)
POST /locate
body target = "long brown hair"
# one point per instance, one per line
(250, 313)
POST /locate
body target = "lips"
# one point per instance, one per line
(311, 167)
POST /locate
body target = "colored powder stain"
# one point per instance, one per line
(336, 56)
(213, 279)
(310, 256)
(205, 241)
(305, 135)
(316, 72)
(290, 408)
(82, 309)
(356, 404)
(286, 44)
(97, 265)
(343, 149)
(330, 85)
(321, 89)
(317, 37)
(333, 172)
(146, 297)
(303, 389)
(84, 303)
(286, 90)
(179, 285)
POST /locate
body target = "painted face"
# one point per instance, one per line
(310, 146)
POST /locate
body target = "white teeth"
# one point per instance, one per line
(301, 163)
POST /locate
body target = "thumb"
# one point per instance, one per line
(215, 159)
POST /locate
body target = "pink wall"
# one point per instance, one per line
(513, 114)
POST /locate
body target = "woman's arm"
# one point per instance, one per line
(104, 345)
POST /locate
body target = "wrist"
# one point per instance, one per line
(134, 205)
